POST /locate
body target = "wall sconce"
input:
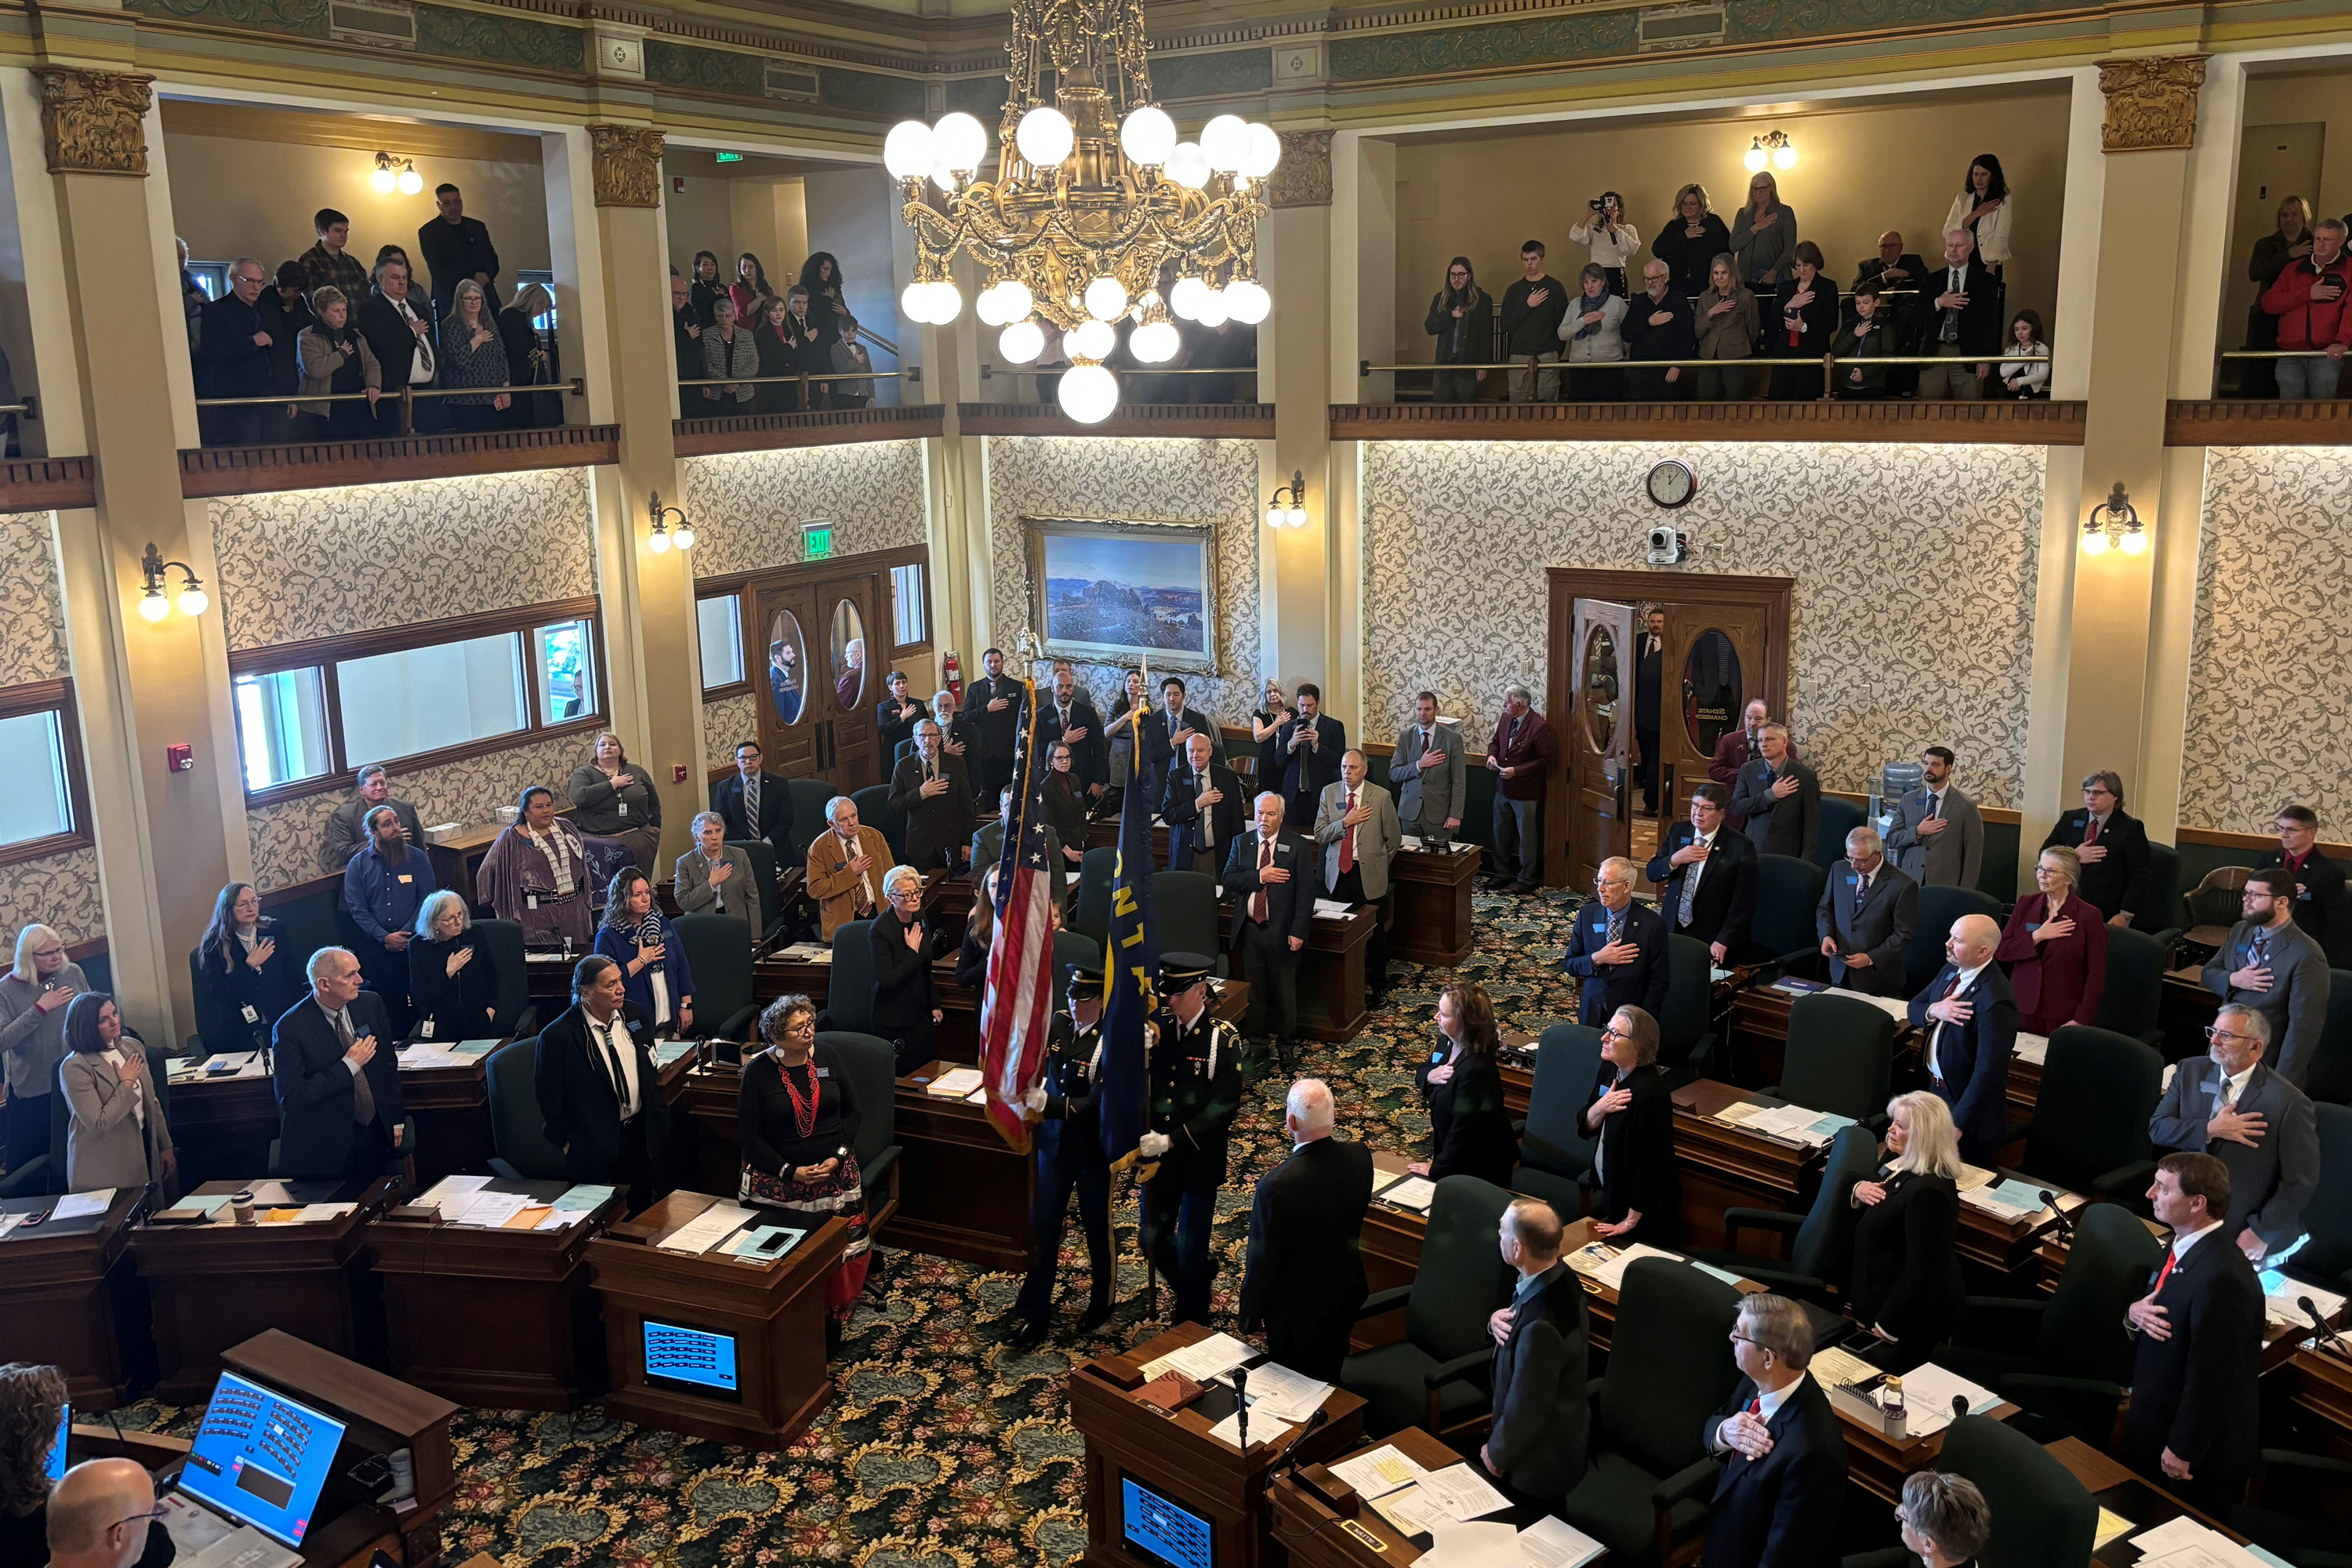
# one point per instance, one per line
(662, 538)
(194, 600)
(396, 174)
(1293, 512)
(1773, 147)
(2114, 523)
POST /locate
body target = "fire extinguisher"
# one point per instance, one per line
(951, 672)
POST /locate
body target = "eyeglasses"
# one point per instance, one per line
(139, 1519)
(2215, 1032)
(1614, 1033)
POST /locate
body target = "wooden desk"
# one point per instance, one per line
(1880, 1453)
(60, 1285)
(2323, 1385)
(963, 1192)
(502, 1318)
(219, 1284)
(1724, 1166)
(1317, 1535)
(1759, 1027)
(774, 1309)
(451, 1107)
(1330, 972)
(1175, 1456)
(2125, 1491)
(1430, 912)
(222, 1126)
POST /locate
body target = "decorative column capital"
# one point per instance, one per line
(627, 165)
(1303, 178)
(2151, 102)
(94, 122)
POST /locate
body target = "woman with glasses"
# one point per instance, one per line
(796, 1120)
(1631, 1113)
(453, 977)
(2055, 945)
(1907, 1287)
(904, 1013)
(1462, 319)
(33, 998)
(654, 974)
(244, 983)
(1462, 1083)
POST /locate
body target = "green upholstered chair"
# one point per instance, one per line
(1555, 1151)
(1839, 817)
(2325, 1256)
(1781, 930)
(2135, 984)
(870, 1063)
(1434, 1378)
(810, 797)
(1938, 908)
(518, 1131)
(2042, 1516)
(849, 989)
(1095, 868)
(2328, 1078)
(719, 951)
(764, 871)
(2305, 1536)
(516, 1013)
(45, 1172)
(1818, 1245)
(2088, 1131)
(1685, 1043)
(1184, 912)
(1070, 950)
(2064, 1358)
(2154, 898)
(874, 811)
(1670, 1367)
(1839, 1057)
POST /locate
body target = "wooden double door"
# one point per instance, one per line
(817, 650)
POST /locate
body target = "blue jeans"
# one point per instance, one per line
(2308, 377)
(1187, 1213)
(1518, 840)
(1057, 1175)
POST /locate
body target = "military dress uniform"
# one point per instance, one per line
(1196, 1088)
(1067, 1143)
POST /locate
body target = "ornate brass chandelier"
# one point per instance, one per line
(1096, 208)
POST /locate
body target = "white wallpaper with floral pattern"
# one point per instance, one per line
(1915, 572)
(1145, 480)
(725, 723)
(748, 506)
(2269, 684)
(313, 563)
(60, 891)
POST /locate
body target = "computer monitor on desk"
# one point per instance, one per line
(700, 1362)
(261, 1458)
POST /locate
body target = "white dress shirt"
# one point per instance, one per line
(420, 368)
(1968, 983)
(615, 1032)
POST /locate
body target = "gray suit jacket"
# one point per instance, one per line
(1377, 841)
(738, 895)
(1427, 796)
(2270, 1182)
(105, 1146)
(2297, 1003)
(1882, 927)
(988, 847)
(347, 835)
(1949, 858)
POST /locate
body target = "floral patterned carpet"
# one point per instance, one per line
(943, 1446)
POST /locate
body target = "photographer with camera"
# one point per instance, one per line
(1613, 239)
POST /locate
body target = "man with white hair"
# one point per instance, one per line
(1866, 917)
(1960, 320)
(1304, 1279)
(338, 1108)
(715, 878)
(1270, 876)
(1617, 950)
(1970, 1015)
(846, 864)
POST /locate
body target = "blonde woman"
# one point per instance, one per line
(1906, 1266)
(614, 798)
(473, 354)
(33, 999)
(2056, 947)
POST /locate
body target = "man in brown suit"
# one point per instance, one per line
(845, 863)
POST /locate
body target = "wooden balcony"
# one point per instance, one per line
(45, 484)
(2003, 422)
(821, 427)
(2257, 422)
(319, 465)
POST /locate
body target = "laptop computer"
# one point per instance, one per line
(251, 1484)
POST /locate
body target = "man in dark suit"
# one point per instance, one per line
(995, 703)
(930, 789)
(895, 716)
(339, 1109)
(2228, 1104)
(1658, 325)
(1783, 1482)
(959, 734)
(1649, 662)
(397, 323)
(1781, 797)
(1970, 1015)
(1203, 808)
(1957, 316)
(1310, 746)
(1617, 950)
(1706, 876)
(1733, 748)
(1867, 913)
(2319, 908)
(756, 804)
(2113, 847)
(1542, 1414)
(238, 358)
(1270, 877)
(2194, 1424)
(600, 1100)
(1070, 719)
(1304, 1276)
(1893, 266)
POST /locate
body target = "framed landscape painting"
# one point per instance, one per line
(1125, 593)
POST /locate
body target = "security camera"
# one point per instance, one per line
(1668, 547)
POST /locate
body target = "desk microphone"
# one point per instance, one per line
(1241, 1405)
(2320, 1322)
(2065, 1225)
(1959, 1405)
(1285, 1461)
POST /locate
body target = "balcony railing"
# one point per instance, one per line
(405, 397)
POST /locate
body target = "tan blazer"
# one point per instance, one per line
(105, 1146)
(834, 885)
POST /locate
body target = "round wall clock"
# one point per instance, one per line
(1673, 484)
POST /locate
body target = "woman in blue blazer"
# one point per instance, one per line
(654, 974)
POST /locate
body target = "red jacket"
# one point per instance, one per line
(2305, 323)
(1530, 750)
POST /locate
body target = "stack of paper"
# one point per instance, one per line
(1205, 1362)
(9, 1222)
(2283, 1301)
(1792, 1124)
(1840, 1369)
(421, 1053)
(1971, 1177)
(1414, 1193)
(2006, 1199)
(1331, 908)
(2035, 1048)
(210, 1203)
(1284, 1395)
(1379, 1472)
(707, 1230)
(1263, 1429)
(314, 1214)
(490, 1210)
(1553, 1544)
(1893, 1006)
(1483, 1544)
(75, 1205)
(753, 1244)
(954, 1084)
(576, 1204)
(1928, 1391)
(2183, 1542)
(235, 1064)
(1609, 1264)
(452, 1195)
(1464, 1493)
(472, 1049)
(1739, 1112)
(669, 1051)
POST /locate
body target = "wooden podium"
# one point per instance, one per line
(1429, 916)
(1317, 1534)
(774, 1311)
(58, 1281)
(1175, 1457)
(963, 1192)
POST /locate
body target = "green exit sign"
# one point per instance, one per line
(731, 157)
(816, 540)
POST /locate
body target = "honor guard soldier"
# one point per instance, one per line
(1196, 1087)
(1069, 1155)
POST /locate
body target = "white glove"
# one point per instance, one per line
(1151, 1145)
(1036, 1097)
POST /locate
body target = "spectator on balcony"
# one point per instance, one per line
(456, 246)
(1592, 331)
(1659, 325)
(2308, 300)
(2022, 378)
(1870, 335)
(333, 356)
(399, 253)
(727, 350)
(686, 339)
(1986, 209)
(287, 313)
(1689, 244)
(473, 354)
(1764, 240)
(749, 290)
(1462, 319)
(1898, 273)
(828, 299)
(709, 287)
(1958, 311)
(1892, 268)
(531, 360)
(1533, 309)
(239, 360)
(1612, 238)
(1807, 312)
(1725, 318)
(778, 339)
(402, 339)
(849, 357)
(2272, 254)
(327, 262)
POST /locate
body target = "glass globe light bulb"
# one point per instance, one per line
(1755, 158)
(960, 141)
(1018, 301)
(1262, 151)
(1093, 340)
(410, 182)
(1188, 165)
(1148, 136)
(1297, 518)
(1088, 394)
(1784, 157)
(2095, 542)
(383, 180)
(194, 601)
(2135, 540)
(685, 536)
(1225, 140)
(907, 151)
(1022, 343)
(1105, 298)
(1212, 312)
(658, 543)
(151, 608)
(1185, 298)
(1247, 301)
(1045, 138)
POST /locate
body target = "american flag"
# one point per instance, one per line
(1016, 1010)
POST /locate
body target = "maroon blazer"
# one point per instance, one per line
(2061, 981)
(1530, 750)
(1730, 756)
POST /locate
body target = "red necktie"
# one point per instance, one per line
(1348, 841)
(1258, 909)
(2091, 831)
(1756, 1405)
(2165, 1273)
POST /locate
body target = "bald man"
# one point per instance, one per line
(100, 1514)
(1304, 1277)
(1971, 1016)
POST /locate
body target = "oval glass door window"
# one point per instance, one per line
(848, 639)
(1600, 687)
(1713, 693)
(787, 666)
